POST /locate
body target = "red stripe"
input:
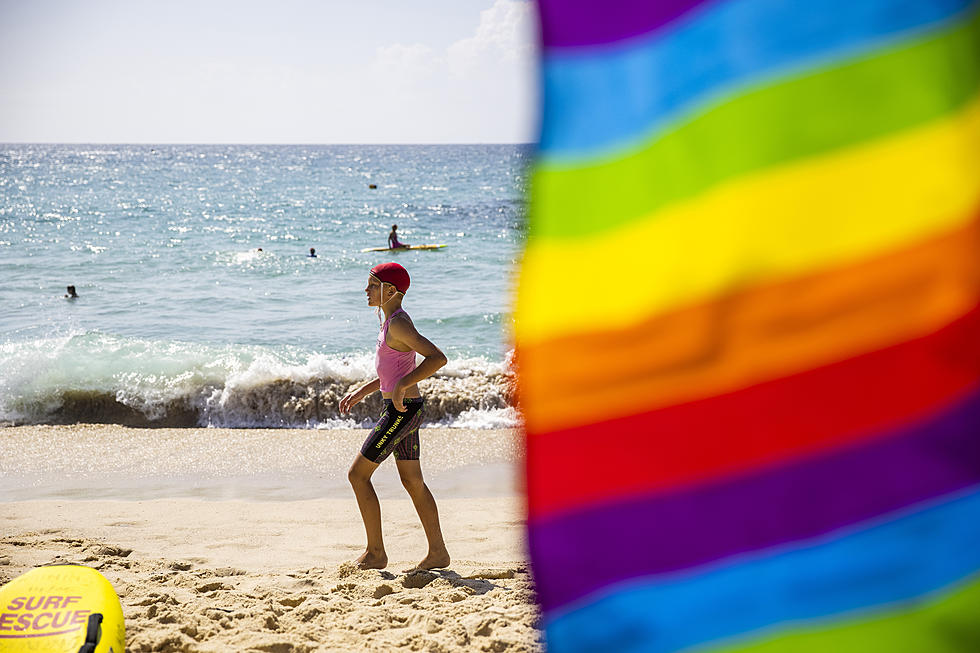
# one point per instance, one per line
(851, 401)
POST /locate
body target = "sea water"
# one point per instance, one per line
(181, 319)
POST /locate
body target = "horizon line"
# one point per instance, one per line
(243, 143)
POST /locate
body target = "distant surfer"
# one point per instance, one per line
(71, 293)
(393, 238)
(397, 430)
(312, 252)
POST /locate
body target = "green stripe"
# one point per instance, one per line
(866, 99)
(948, 624)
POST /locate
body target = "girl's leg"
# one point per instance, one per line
(374, 556)
(410, 472)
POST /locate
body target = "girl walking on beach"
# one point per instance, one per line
(397, 429)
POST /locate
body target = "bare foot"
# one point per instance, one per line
(434, 560)
(370, 560)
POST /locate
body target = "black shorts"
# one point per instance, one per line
(395, 432)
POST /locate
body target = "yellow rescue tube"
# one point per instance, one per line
(61, 609)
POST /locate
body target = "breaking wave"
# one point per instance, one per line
(100, 378)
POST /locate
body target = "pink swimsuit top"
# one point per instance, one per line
(391, 364)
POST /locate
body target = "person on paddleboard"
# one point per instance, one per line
(393, 238)
(397, 430)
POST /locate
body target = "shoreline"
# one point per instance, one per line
(108, 461)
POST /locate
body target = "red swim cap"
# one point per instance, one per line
(392, 273)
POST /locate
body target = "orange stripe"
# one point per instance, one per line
(750, 336)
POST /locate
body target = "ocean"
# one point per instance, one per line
(180, 320)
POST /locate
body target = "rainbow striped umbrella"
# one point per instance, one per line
(748, 326)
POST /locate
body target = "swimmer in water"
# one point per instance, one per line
(393, 238)
(312, 252)
(71, 293)
(397, 430)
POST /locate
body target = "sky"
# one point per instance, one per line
(273, 71)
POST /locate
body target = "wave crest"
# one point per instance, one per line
(232, 388)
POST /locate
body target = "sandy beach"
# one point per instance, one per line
(214, 543)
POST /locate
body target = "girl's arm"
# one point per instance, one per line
(356, 396)
(404, 332)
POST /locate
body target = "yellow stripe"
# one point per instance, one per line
(822, 212)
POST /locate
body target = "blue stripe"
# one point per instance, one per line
(898, 560)
(597, 103)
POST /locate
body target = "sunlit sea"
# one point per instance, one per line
(180, 320)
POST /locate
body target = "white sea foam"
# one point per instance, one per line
(94, 377)
(491, 418)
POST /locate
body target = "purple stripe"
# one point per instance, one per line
(33, 635)
(578, 553)
(573, 23)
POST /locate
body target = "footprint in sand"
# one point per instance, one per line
(228, 571)
(491, 574)
(418, 579)
(154, 598)
(310, 612)
(116, 551)
(271, 623)
(162, 615)
(281, 646)
(217, 614)
(478, 624)
(434, 625)
(383, 590)
(190, 630)
(460, 594)
(291, 601)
